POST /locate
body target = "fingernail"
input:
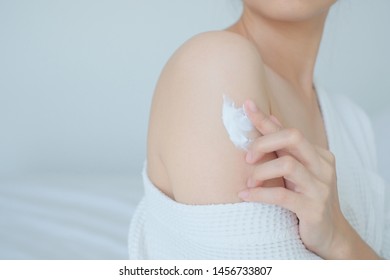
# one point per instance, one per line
(244, 195)
(252, 106)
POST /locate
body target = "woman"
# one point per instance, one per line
(260, 182)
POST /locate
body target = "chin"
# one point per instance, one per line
(289, 10)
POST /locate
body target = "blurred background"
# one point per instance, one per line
(76, 82)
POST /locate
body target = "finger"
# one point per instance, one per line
(288, 168)
(276, 195)
(275, 120)
(289, 140)
(261, 121)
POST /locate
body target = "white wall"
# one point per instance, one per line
(77, 76)
(355, 57)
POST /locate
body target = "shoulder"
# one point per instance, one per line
(203, 70)
(217, 54)
(214, 45)
(221, 62)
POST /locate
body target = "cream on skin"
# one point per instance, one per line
(237, 123)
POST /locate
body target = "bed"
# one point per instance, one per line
(67, 217)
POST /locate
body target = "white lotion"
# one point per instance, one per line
(237, 123)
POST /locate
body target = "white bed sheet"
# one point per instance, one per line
(67, 217)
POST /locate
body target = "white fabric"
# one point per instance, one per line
(67, 216)
(382, 133)
(362, 191)
(164, 229)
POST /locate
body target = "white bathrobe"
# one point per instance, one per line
(162, 228)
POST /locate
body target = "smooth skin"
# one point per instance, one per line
(268, 58)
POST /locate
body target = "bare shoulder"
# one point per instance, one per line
(190, 156)
(218, 55)
(219, 44)
(211, 64)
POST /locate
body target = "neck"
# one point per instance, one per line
(288, 48)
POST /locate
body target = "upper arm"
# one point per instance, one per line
(202, 164)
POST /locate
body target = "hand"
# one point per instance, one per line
(310, 189)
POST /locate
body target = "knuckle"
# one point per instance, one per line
(295, 136)
(332, 158)
(288, 164)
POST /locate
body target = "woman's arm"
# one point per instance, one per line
(186, 133)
